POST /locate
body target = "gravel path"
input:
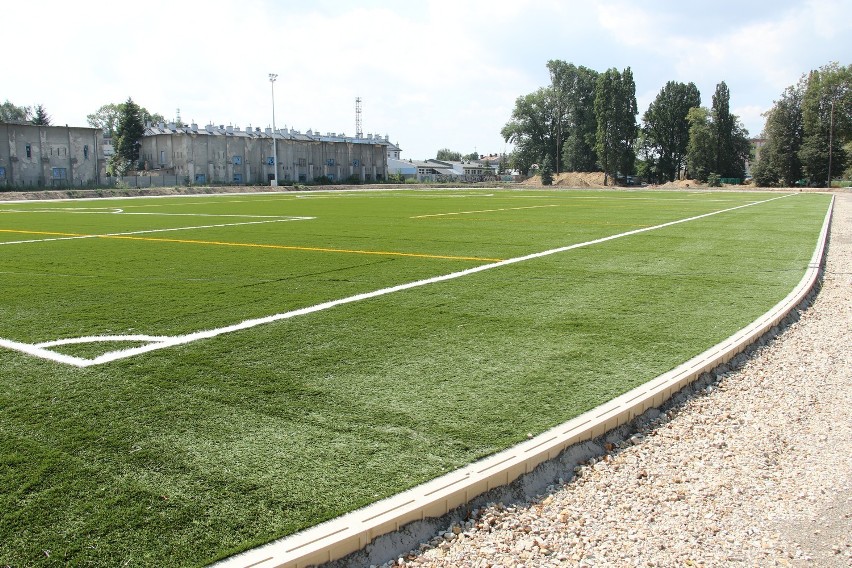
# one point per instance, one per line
(755, 470)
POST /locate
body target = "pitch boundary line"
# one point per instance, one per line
(160, 342)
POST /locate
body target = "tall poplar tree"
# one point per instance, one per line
(718, 142)
(615, 112)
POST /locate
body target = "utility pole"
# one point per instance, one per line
(274, 182)
(830, 141)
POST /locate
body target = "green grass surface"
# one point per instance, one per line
(191, 453)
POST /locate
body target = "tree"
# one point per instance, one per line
(11, 113)
(106, 117)
(723, 132)
(705, 148)
(502, 165)
(471, 157)
(779, 162)
(529, 129)
(40, 117)
(701, 151)
(666, 129)
(557, 121)
(578, 152)
(573, 125)
(827, 121)
(615, 111)
(447, 155)
(546, 172)
(128, 134)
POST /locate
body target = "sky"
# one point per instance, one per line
(431, 74)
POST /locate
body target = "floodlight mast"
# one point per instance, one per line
(274, 182)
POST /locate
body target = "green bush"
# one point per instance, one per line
(714, 180)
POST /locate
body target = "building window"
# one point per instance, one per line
(59, 173)
(2, 172)
(85, 151)
(29, 151)
(200, 178)
(162, 157)
(238, 178)
(238, 160)
(302, 162)
(270, 161)
(329, 162)
(356, 163)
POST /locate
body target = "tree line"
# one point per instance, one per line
(37, 115)
(586, 121)
(808, 132)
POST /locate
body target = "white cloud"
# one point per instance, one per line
(431, 74)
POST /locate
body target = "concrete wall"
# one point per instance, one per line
(45, 156)
(214, 155)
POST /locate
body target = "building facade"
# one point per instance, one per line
(50, 156)
(227, 154)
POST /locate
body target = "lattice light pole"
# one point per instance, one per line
(359, 129)
(272, 77)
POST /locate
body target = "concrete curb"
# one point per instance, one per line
(352, 532)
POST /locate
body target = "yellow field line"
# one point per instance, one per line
(257, 245)
(312, 249)
(42, 233)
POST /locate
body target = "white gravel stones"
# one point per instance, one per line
(755, 471)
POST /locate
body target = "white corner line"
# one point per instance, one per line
(353, 531)
(174, 341)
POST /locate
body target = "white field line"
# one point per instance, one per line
(154, 231)
(120, 211)
(482, 211)
(164, 342)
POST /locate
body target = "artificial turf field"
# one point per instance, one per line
(183, 378)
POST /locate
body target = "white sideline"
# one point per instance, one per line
(339, 537)
(162, 343)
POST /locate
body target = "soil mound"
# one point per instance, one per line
(571, 179)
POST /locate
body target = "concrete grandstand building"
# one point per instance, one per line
(50, 156)
(227, 154)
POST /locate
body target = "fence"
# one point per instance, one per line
(108, 181)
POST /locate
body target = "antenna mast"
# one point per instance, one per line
(359, 129)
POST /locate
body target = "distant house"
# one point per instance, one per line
(465, 171)
(50, 156)
(402, 168)
(393, 150)
(433, 170)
